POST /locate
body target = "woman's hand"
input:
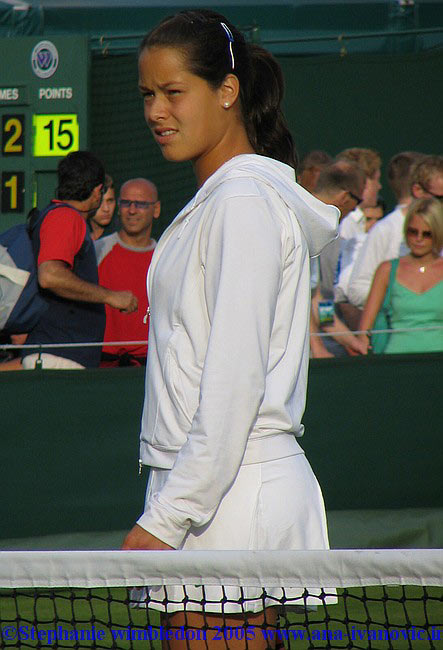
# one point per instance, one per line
(357, 344)
(365, 343)
(139, 539)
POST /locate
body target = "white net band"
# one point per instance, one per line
(301, 569)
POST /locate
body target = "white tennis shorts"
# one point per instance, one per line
(274, 505)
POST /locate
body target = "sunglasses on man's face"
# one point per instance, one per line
(139, 205)
(355, 198)
(434, 196)
(414, 232)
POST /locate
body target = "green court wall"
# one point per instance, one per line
(69, 443)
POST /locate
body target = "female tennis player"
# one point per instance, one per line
(230, 294)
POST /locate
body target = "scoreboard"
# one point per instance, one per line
(44, 99)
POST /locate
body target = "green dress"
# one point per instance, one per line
(409, 310)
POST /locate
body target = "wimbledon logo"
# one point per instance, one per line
(44, 59)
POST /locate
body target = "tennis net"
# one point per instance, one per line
(375, 599)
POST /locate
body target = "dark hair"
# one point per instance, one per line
(109, 183)
(78, 174)
(212, 53)
(400, 168)
(316, 158)
(341, 175)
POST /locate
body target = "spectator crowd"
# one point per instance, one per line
(384, 271)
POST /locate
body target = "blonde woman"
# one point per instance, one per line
(416, 294)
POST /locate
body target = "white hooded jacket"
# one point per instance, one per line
(229, 293)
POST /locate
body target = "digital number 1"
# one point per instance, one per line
(50, 127)
(12, 183)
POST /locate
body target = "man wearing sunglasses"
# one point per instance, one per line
(340, 184)
(123, 260)
(370, 162)
(386, 240)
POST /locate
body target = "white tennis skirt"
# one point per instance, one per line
(274, 505)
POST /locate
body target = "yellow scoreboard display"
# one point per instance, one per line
(55, 135)
(43, 116)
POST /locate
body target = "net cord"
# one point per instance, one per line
(307, 569)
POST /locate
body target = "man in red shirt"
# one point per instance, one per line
(67, 271)
(123, 260)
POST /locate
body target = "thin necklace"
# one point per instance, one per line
(423, 268)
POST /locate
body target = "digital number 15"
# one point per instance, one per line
(58, 138)
(55, 135)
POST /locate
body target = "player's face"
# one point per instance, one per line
(104, 214)
(418, 239)
(137, 219)
(186, 116)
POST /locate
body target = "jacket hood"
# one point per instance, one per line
(318, 221)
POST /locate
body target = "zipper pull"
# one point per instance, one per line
(146, 316)
(140, 466)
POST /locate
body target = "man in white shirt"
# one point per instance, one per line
(352, 229)
(350, 248)
(340, 184)
(386, 240)
(370, 162)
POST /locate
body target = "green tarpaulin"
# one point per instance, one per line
(285, 27)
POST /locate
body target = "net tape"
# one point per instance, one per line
(328, 569)
(87, 599)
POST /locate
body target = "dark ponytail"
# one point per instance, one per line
(265, 123)
(204, 36)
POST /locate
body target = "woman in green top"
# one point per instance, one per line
(417, 291)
